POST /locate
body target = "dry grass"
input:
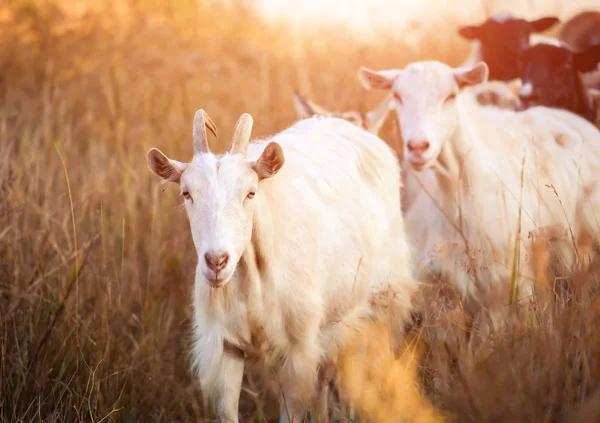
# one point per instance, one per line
(96, 259)
(384, 388)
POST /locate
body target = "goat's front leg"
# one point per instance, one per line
(290, 410)
(223, 384)
(298, 379)
(325, 376)
(321, 409)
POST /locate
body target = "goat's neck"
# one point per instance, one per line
(253, 267)
(449, 165)
(457, 161)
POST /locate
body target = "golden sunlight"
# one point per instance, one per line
(364, 16)
(358, 14)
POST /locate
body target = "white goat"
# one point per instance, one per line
(373, 120)
(298, 241)
(469, 160)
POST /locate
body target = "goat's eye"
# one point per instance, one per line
(186, 195)
(397, 97)
(450, 98)
(251, 194)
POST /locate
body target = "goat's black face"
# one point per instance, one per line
(551, 77)
(502, 40)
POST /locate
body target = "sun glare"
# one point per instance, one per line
(360, 15)
(365, 15)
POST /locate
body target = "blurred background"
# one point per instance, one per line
(368, 17)
(96, 258)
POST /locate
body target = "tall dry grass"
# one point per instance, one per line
(96, 260)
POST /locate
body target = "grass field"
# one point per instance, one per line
(96, 257)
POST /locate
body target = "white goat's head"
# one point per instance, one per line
(424, 95)
(219, 194)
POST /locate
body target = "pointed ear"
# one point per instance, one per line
(470, 32)
(161, 165)
(379, 80)
(306, 108)
(270, 161)
(473, 75)
(543, 24)
(587, 60)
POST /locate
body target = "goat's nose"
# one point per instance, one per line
(216, 260)
(418, 147)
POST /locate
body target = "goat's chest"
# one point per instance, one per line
(259, 336)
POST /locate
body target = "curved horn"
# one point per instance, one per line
(201, 122)
(241, 135)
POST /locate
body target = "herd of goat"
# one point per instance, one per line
(303, 236)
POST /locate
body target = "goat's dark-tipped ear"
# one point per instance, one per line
(543, 24)
(270, 161)
(161, 165)
(470, 32)
(587, 60)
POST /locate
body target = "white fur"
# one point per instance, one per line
(526, 90)
(471, 176)
(319, 249)
(502, 16)
(374, 120)
(544, 39)
(500, 94)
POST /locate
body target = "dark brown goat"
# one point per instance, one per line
(501, 39)
(581, 31)
(551, 77)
